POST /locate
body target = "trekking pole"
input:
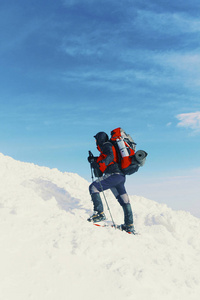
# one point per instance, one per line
(106, 203)
(91, 155)
(92, 176)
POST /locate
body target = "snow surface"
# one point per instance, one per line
(48, 251)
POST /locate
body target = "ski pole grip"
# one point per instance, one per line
(90, 157)
(90, 154)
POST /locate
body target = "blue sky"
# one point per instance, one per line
(72, 68)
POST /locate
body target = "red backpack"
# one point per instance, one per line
(128, 159)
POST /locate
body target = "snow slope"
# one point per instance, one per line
(48, 251)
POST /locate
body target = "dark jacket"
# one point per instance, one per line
(107, 160)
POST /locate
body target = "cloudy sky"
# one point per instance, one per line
(71, 68)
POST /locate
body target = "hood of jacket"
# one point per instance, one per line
(101, 138)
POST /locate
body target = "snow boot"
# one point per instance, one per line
(128, 215)
(128, 228)
(97, 217)
(128, 219)
(98, 214)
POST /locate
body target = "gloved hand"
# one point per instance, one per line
(91, 159)
(95, 165)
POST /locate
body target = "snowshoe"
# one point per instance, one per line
(128, 228)
(97, 217)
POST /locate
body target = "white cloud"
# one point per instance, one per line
(189, 120)
(168, 22)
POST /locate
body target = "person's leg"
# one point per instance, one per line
(121, 195)
(99, 185)
(106, 182)
(97, 203)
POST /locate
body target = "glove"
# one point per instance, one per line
(95, 165)
(92, 159)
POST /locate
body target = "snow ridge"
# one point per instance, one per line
(49, 251)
